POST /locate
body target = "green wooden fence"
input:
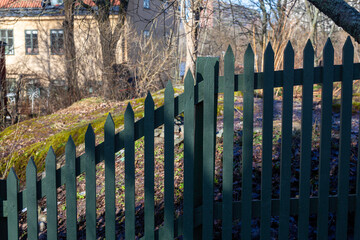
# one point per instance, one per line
(199, 105)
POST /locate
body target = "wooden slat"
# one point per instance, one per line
(129, 173)
(286, 142)
(325, 141)
(109, 132)
(189, 123)
(209, 142)
(305, 145)
(51, 195)
(267, 130)
(149, 167)
(70, 182)
(169, 161)
(90, 184)
(228, 142)
(247, 158)
(32, 208)
(12, 206)
(345, 141)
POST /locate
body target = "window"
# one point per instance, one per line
(6, 35)
(57, 41)
(11, 85)
(31, 42)
(146, 3)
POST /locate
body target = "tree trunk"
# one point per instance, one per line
(70, 53)
(342, 14)
(191, 27)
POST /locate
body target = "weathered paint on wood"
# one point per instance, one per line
(70, 179)
(325, 141)
(169, 161)
(345, 141)
(286, 142)
(129, 173)
(227, 192)
(267, 130)
(305, 145)
(109, 133)
(149, 167)
(209, 142)
(189, 135)
(12, 205)
(32, 208)
(90, 184)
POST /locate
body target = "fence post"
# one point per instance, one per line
(199, 132)
(3, 220)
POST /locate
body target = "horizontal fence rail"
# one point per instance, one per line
(199, 105)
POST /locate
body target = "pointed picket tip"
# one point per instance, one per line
(12, 175)
(289, 49)
(149, 99)
(249, 51)
(50, 157)
(348, 45)
(109, 119)
(51, 151)
(31, 166)
(169, 88)
(89, 132)
(189, 78)
(309, 47)
(269, 49)
(129, 110)
(328, 45)
(70, 143)
(229, 52)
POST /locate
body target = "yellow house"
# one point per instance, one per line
(33, 31)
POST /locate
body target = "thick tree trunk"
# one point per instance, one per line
(191, 27)
(342, 14)
(70, 52)
(108, 51)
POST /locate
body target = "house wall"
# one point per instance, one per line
(47, 67)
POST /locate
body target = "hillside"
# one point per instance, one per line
(33, 138)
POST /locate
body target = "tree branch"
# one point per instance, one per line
(342, 14)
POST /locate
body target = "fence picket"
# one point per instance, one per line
(51, 195)
(345, 141)
(267, 130)
(31, 200)
(149, 167)
(248, 118)
(189, 134)
(209, 141)
(129, 173)
(169, 162)
(70, 182)
(12, 188)
(305, 145)
(325, 141)
(109, 132)
(90, 183)
(286, 142)
(228, 144)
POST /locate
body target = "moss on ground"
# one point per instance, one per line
(34, 137)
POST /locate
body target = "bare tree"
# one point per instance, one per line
(109, 37)
(342, 14)
(70, 52)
